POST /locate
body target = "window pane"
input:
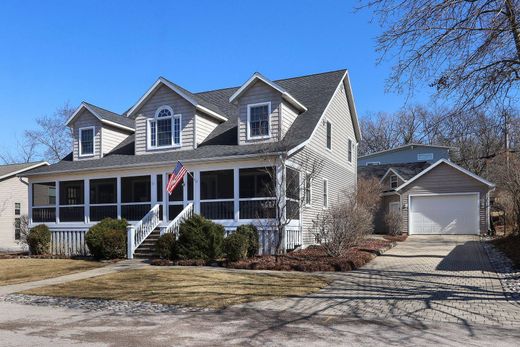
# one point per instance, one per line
(259, 120)
(177, 131)
(159, 188)
(103, 191)
(292, 184)
(135, 189)
(17, 208)
(153, 133)
(216, 184)
(17, 228)
(256, 182)
(350, 150)
(307, 189)
(71, 193)
(44, 194)
(164, 132)
(329, 135)
(87, 141)
(190, 187)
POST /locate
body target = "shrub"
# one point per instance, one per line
(39, 240)
(394, 223)
(251, 234)
(107, 239)
(165, 246)
(236, 246)
(199, 238)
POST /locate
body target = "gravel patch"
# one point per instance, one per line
(509, 276)
(114, 306)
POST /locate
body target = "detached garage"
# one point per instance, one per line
(445, 199)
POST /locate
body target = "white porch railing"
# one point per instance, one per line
(173, 227)
(139, 232)
(293, 238)
(69, 242)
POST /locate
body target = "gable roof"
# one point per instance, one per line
(259, 77)
(10, 170)
(199, 103)
(314, 90)
(455, 166)
(405, 170)
(400, 148)
(104, 116)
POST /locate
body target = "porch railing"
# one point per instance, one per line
(139, 232)
(173, 227)
(293, 238)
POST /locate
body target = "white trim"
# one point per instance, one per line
(455, 166)
(173, 117)
(18, 172)
(102, 120)
(442, 194)
(248, 124)
(80, 137)
(258, 76)
(394, 172)
(168, 84)
(403, 147)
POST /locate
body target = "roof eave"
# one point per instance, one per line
(83, 105)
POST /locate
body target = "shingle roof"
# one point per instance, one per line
(314, 91)
(13, 169)
(405, 170)
(112, 116)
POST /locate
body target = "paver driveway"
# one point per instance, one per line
(436, 278)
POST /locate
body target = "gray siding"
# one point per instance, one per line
(446, 179)
(257, 93)
(406, 155)
(111, 137)
(204, 125)
(340, 174)
(164, 96)
(12, 190)
(289, 114)
(386, 182)
(86, 119)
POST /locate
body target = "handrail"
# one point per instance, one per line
(173, 227)
(139, 232)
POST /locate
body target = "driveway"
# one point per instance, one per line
(427, 290)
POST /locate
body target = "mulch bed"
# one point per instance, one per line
(510, 246)
(396, 238)
(313, 258)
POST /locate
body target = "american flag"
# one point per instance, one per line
(176, 177)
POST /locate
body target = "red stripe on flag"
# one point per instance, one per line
(175, 179)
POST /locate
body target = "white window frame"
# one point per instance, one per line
(154, 120)
(429, 156)
(326, 135)
(392, 181)
(307, 187)
(248, 125)
(325, 193)
(80, 147)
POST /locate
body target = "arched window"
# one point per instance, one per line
(164, 130)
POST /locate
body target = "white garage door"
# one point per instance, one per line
(444, 214)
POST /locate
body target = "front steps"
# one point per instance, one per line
(146, 250)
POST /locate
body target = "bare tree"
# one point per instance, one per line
(25, 153)
(23, 224)
(466, 50)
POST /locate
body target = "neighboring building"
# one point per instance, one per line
(406, 154)
(228, 139)
(13, 203)
(438, 198)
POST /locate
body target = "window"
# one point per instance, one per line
(292, 188)
(373, 163)
(135, 189)
(329, 135)
(258, 120)
(103, 199)
(17, 208)
(325, 193)
(425, 156)
(216, 185)
(256, 183)
(71, 201)
(393, 181)
(165, 129)
(350, 150)
(86, 141)
(308, 191)
(44, 194)
(17, 228)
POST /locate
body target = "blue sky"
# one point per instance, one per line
(110, 52)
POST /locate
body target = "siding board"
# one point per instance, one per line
(86, 119)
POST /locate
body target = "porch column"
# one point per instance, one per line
(196, 191)
(118, 193)
(57, 205)
(86, 197)
(236, 193)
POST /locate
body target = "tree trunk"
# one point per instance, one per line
(513, 22)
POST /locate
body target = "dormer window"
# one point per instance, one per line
(393, 181)
(258, 121)
(165, 129)
(86, 141)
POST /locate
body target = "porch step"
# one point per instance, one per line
(146, 249)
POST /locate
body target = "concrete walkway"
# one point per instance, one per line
(116, 267)
(426, 291)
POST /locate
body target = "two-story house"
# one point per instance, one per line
(234, 142)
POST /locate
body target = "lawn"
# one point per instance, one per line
(14, 271)
(202, 287)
